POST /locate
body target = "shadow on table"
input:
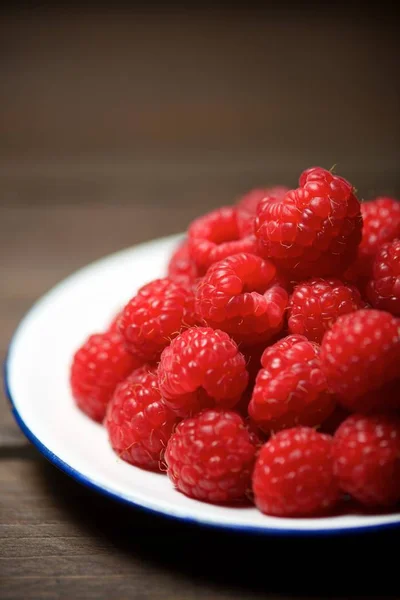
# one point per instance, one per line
(343, 566)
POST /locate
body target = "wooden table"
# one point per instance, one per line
(101, 150)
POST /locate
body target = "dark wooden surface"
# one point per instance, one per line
(117, 128)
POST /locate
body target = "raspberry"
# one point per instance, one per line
(97, 368)
(291, 389)
(249, 202)
(360, 356)
(293, 476)
(215, 236)
(314, 230)
(366, 450)
(210, 457)
(181, 268)
(201, 368)
(159, 311)
(316, 304)
(247, 206)
(381, 224)
(138, 422)
(235, 296)
(384, 288)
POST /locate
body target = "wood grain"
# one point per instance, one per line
(117, 128)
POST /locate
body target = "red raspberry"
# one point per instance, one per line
(215, 236)
(360, 356)
(201, 368)
(381, 224)
(247, 206)
(366, 450)
(138, 422)
(384, 288)
(314, 230)
(159, 311)
(97, 367)
(249, 202)
(181, 267)
(293, 476)
(291, 388)
(235, 296)
(316, 304)
(210, 457)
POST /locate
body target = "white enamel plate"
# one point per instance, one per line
(36, 378)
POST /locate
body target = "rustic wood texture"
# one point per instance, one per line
(117, 127)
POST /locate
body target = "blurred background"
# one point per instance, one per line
(119, 125)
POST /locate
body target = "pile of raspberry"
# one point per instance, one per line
(265, 366)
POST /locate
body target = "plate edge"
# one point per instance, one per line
(89, 483)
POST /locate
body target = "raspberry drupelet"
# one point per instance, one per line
(138, 422)
(314, 230)
(249, 202)
(366, 451)
(181, 267)
(383, 289)
(316, 304)
(201, 368)
(211, 456)
(237, 296)
(158, 312)
(291, 388)
(215, 236)
(294, 476)
(360, 357)
(381, 224)
(247, 206)
(97, 367)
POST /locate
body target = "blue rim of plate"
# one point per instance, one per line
(92, 485)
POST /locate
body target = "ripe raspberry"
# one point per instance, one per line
(314, 230)
(210, 457)
(138, 422)
(97, 367)
(291, 388)
(384, 288)
(247, 206)
(181, 267)
(201, 368)
(293, 476)
(215, 236)
(159, 311)
(366, 451)
(360, 357)
(249, 202)
(316, 304)
(235, 296)
(381, 224)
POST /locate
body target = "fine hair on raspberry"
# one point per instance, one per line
(291, 388)
(210, 457)
(202, 368)
(239, 295)
(217, 235)
(314, 230)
